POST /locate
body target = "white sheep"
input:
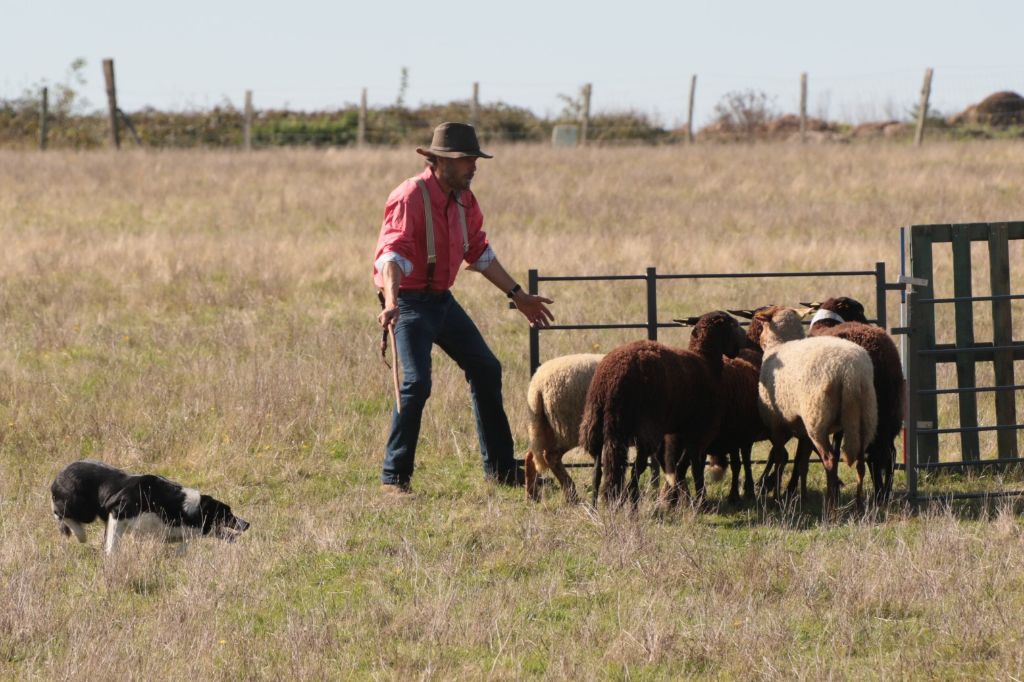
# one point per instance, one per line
(810, 388)
(555, 399)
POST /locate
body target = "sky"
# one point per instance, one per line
(864, 60)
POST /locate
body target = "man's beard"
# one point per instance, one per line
(455, 182)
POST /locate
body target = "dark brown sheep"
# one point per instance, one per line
(643, 391)
(741, 425)
(888, 380)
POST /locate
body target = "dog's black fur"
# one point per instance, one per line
(86, 490)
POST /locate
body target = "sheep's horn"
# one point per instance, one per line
(747, 314)
(688, 322)
(813, 306)
(804, 312)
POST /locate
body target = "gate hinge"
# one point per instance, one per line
(913, 281)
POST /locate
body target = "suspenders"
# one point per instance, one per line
(429, 225)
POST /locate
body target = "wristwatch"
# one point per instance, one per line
(511, 293)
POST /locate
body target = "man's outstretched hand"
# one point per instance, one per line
(534, 309)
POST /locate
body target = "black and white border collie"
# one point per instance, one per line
(130, 503)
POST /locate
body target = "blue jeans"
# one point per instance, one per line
(437, 318)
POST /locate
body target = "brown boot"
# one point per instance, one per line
(396, 490)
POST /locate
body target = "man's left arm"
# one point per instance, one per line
(534, 308)
(481, 258)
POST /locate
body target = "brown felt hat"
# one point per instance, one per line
(454, 141)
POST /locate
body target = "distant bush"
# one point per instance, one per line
(629, 126)
(742, 114)
(323, 130)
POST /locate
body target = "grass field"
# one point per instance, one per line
(210, 317)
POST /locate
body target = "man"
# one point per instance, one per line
(418, 256)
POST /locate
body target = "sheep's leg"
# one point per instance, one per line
(633, 486)
(656, 466)
(748, 473)
(770, 475)
(734, 486)
(887, 465)
(800, 463)
(767, 480)
(880, 458)
(830, 462)
(777, 459)
(614, 460)
(596, 483)
(530, 469)
(831, 509)
(874, 470)
(860, 484)
(697, 459)
(671, 458)
(564, 479)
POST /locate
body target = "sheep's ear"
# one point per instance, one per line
(804, 312)
(746, 314)
(813, 306)
(688, 322)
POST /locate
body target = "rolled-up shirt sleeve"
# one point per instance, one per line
(393, 257)
(484, 261)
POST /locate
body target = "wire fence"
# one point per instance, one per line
(830, 107)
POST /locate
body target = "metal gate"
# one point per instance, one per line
(924, 354)
(652, 325)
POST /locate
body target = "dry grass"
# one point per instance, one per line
(209, 316)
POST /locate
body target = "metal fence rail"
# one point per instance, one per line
(651, 277)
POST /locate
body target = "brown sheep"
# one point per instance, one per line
(741, 423)
(644, 390)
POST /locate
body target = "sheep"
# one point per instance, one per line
(555, 400)
(843, 317)
(741, 425)
(813, 387)
(644, 391)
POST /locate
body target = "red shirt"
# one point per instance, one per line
(404, 233)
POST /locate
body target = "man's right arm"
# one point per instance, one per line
(391, 274)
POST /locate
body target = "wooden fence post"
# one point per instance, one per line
(922, 107)
(689, 109)
(1002, 337)
(247, 135)
(43, 119)
(361, 128)
(474, 106)
(108, 76)
(585, 121)
(803, 107)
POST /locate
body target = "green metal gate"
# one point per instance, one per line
(925, 354)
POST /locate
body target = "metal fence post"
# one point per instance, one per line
(652, 304)
(531, 287)
(910, 366)
(880, 294)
